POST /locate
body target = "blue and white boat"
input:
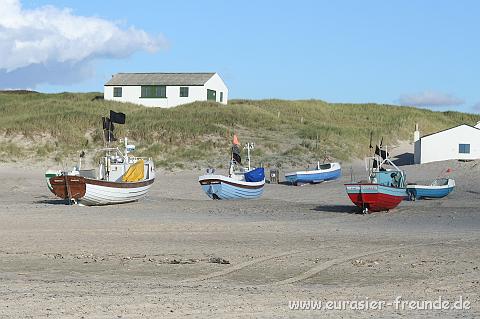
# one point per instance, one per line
(322, 173)
(239, 184)
(439, 188)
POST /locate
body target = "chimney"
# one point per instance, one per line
(416, 134)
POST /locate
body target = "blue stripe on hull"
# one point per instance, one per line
(226, 191)
(376, 188)
(314, 178)
(430, 193)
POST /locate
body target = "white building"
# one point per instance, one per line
(165, 89)
(461, 142)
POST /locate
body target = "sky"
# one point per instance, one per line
(419, 53)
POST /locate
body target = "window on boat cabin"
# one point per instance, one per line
(325, 166)
(117, 92)
(464, 148)
(154, 91)
(184, 91)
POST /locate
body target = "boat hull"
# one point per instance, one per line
(421, 191)
(48, 175)
(223, 187)
(375, 197)
(92, 192)
(314, 176)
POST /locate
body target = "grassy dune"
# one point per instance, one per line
(56, 126)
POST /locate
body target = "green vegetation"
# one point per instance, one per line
(57, 126)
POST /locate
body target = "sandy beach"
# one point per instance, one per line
(178, 254)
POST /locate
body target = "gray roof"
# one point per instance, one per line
(159, 79)
(451, 129)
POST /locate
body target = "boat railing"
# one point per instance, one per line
(375, 167)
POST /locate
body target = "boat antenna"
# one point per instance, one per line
(249, 146)
(81, 156)
(371, 137)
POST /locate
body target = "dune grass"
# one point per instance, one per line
(57, 126)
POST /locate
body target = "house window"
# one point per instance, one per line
(117, 92)
(221, 97)
(464, 148)
(211, 95)
(154, 91)
(184, 91)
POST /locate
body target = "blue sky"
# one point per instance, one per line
(423, 53)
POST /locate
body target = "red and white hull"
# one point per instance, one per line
(375, 197)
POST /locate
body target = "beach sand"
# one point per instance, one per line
(178, 254)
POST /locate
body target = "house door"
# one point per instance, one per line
(211, 95)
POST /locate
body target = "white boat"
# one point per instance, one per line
(233, 187)
(119, 178)
(322, 173)
(106, 185)
(239, 184)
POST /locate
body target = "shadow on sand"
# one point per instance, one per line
(51, 201)
(345, 209)
(403, 159)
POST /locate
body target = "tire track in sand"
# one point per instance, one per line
(239, 266)
(312, 271)
(324, 266)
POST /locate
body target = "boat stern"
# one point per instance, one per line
(68, 187)
(49, 174)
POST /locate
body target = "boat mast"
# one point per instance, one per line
(230, 168)
(126, 151)
(249, 146)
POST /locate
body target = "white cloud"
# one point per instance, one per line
(430, 98)
(47, 40)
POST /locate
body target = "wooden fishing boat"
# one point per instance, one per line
(233, 187)
(119, 178)
(322, 173)
(239, 184)
(439, 188)
(111, 185)
(384, 189)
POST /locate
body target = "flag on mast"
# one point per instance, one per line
(235, 140)
(236, 150)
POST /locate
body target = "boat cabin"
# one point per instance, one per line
(388, 178)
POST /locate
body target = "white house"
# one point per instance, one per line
(165, 89)
(460, 142)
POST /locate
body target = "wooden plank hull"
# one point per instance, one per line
(92, 192)
(49, 174)
(68, 187)
(223, 187)
(375, 197)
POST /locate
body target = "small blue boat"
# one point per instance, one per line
(240, 183)
(440, 187)
(323, 172)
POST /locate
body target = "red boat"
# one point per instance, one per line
(384, 189)
(375, 197)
